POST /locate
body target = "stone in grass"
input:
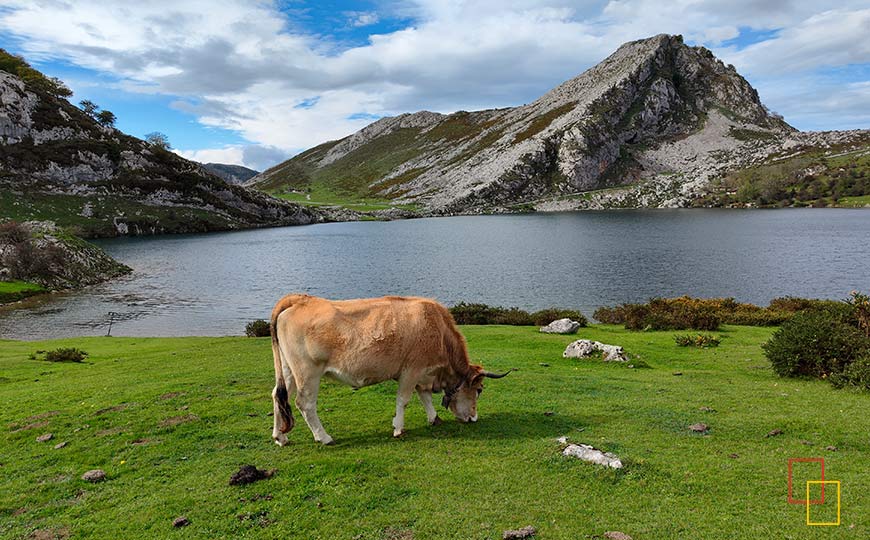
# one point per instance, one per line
(248, 474)
(561, 326)
(45, 437)
(774, 433)
(60, 445)
(616, 535)
(583, 348)
(518, 534)
(592, 455)
(180, 521)
(831, 448)
(700, 427)
(94, 476)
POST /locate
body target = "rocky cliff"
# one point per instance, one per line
(58, 163)
(652, 125)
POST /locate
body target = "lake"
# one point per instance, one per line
(212, 284)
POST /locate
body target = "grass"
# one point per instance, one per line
(321, 195)
(854, 202)
(170, 419)
(13, 291)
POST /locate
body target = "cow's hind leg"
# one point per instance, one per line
(426, 399)
(306, 400)
(403, 397)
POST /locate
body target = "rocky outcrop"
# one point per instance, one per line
(42, 253)
(648, 126)
(584, 348)
(561, 326)
(60, 162)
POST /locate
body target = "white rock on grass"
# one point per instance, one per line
(592, 455)
(561, 326)
(583, 348)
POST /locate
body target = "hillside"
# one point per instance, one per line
(232, 174)
(655, 124)
(58, 163)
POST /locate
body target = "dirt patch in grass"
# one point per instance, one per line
(50, 534)
(397, 534)
(110, 431)
(14, 428)
(177, 420)
(169, 395)
(143, 442)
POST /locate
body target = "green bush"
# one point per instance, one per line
(697, 340)
(546, 316)
(464, 313)
(815, 343)
(610, 315)
(856, 374)
(258, 328)
(671, 314)
(703, 313)
(70, 354)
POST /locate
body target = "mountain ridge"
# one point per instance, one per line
(657, 119)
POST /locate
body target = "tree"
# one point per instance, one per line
(58, 88)
(159, 140)
(89, 107)
(106, 118)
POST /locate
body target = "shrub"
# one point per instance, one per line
(610, 315)
(855, 374)
(815, 343)
(697, 340)
(546, 316)
(860, 304)
(258, 328)
(671, 314)
(70, 354)
(464, 313)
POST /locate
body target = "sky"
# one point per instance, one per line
(255, 82)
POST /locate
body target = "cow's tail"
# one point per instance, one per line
(284, 414)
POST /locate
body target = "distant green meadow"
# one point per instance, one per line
(171, 419)
(12, 291)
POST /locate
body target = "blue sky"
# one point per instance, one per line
(253, 82)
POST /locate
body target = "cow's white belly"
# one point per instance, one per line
(348, 378)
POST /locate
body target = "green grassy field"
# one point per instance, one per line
(170, 420)
(12, 291)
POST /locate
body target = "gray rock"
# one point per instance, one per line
(94, 476)
(60, 445)
(583, 348)
(561, 326)
(592, 455)
(180, 521)
(519, 534)
(45, 437)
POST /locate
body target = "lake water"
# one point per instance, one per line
(213, 284)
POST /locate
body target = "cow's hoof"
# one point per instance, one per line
(327, 441)
(398, 433)
(281, 439)
(437, 421)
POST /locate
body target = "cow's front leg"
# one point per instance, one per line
(306, 401)
(403, 397)
(426, 399)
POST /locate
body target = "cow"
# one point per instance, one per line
(367, 341)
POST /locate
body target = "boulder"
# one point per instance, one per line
(561, 326)
(96, 475)
(583, 348)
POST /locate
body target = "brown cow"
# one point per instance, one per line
(362, 342)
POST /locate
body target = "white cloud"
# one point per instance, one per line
(362, 18)
(246, 66)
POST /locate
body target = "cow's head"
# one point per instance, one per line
(462, 399)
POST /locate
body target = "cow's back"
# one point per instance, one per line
(371, 337)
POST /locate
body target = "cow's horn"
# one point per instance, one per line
(492, 375)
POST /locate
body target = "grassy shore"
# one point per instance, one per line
(170, 420)
(13, 291)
